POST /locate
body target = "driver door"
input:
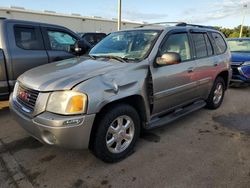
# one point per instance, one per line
(174, 85)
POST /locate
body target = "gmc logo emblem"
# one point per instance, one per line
(23, 95)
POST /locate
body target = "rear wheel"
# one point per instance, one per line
(117, 133)
(216, 95)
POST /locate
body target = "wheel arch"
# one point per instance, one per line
(225, 76)
(136, 101)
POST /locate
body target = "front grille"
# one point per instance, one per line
(27, 97)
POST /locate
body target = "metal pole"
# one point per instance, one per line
(243, 20)
(119, 14)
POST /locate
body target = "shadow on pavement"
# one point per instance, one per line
(4, 111)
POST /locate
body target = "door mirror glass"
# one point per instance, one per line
(169, 58)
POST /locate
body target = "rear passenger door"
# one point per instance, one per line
(59, 43)
(205, 59)
(26, 49)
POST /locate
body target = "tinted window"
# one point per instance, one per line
(209, 45)
(60, 40)
(90, 39)
(220, 45)
(177, 43)
(28, 38)
(93, 39)
(99, 37)
(200, 45)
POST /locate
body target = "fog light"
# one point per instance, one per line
(49, 138)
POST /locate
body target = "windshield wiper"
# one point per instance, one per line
(123, 60)
(92, 57)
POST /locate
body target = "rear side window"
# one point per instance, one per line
(220, 44)
(200, 45)
(203, 47)
(28, 38)
(93, 39)
(90, 39)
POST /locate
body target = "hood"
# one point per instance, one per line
(239, 57)
(63, 75)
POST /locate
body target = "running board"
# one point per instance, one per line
(175, 115)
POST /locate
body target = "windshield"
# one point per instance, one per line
(126, 44)
(239, 45)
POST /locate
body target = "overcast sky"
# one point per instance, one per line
(227, 13)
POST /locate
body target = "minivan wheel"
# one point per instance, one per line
(217, 94)
(117, 132)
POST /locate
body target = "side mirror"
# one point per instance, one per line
(80, 47)
(169, 58)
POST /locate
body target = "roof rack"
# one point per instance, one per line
(159, 23)
(194, 25)
(182, 24)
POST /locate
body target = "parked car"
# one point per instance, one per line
(92, 39)
(240, 49)
(24, 45)
(134, 79)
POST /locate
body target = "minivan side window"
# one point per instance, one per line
(28, 38)
(220, 44)
(202, 44)
(60, 41)
(178, 43)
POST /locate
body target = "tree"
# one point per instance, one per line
(235, 32)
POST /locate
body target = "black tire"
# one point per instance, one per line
(211, 104)
(100, 148)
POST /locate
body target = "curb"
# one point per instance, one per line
(19, 178)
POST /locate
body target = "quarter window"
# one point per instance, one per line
(28, 38)
(177, 43)
(60, 41)
(220, 44)
(209, 45)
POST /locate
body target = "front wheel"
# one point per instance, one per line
(216, 95)
(117, 133)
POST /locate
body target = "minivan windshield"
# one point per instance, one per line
(239, 45)
(130, 45)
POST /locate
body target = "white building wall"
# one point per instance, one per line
(73, 22)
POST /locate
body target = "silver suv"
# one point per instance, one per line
(132, 80)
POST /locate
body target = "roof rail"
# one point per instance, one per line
(183, 24)
(194, 25)
(159, 23)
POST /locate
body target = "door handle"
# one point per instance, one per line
(216, 64)
(190, 69)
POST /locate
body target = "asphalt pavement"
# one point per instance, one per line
(204, 149)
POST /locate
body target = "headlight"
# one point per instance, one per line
(67, 102)
(246, 63)
(15, 89)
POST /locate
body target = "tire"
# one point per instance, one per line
(111, 130)
(214, 101)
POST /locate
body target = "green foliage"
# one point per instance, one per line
(235, 32)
